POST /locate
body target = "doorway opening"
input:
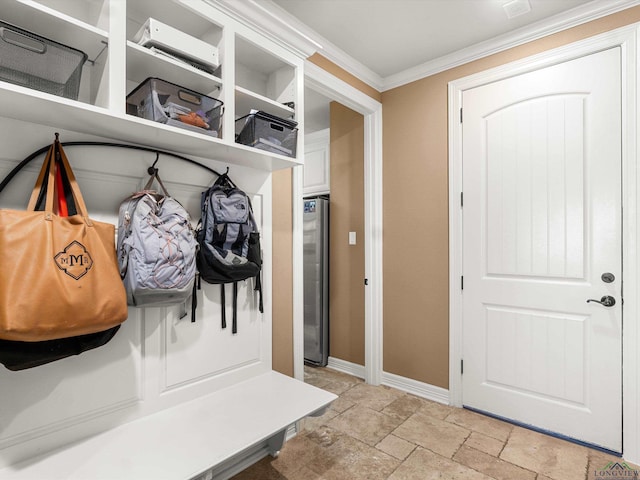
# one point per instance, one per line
(326, 85)
(333, 231)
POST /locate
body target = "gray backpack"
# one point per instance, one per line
(156, 248)
(229, 242)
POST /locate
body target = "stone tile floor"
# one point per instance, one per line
(378, 433)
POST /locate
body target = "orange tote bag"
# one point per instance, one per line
(59, 274)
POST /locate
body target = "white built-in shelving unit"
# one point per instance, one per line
(256, 73)
(166, 398)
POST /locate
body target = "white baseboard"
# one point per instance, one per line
(420, 389)
(346, 367)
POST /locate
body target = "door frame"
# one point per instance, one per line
(627, 39)
(332, 87)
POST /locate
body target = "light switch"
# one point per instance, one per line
(352, 238)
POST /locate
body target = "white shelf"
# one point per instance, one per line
(187, 440)
(143, 63)
(61, 113)
(56, 26)
(181, 429)
(247, 100)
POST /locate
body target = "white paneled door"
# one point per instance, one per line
(542, 236)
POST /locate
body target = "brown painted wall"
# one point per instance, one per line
(282, 342)
(416, 316)
(346, 267)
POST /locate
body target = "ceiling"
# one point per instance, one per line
(387, 43)
(389, 36)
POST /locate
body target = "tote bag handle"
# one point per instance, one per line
(49, 170)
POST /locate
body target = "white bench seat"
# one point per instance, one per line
(205, 438)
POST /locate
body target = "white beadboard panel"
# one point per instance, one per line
(154, 351)
(535, 190)
(537, 352)
(103, 203)
(194, 351)
(16, 194)
(60, 394)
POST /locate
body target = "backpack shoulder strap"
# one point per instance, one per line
(258, 288)
(224, 307)
(194, 297)
(234, 323)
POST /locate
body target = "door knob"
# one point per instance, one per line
(606, 301)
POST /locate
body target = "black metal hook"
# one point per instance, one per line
(152, 170)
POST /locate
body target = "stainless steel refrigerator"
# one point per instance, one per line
(316, 280)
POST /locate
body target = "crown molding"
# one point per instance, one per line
(280, 26)
(269, 22)
(285, 29)
(563, 21)
(351, 65)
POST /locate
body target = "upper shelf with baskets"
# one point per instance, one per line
(150, 71)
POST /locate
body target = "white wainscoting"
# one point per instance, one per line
(157, 360)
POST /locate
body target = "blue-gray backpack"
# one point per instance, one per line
(156, 248)
(229, 242)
